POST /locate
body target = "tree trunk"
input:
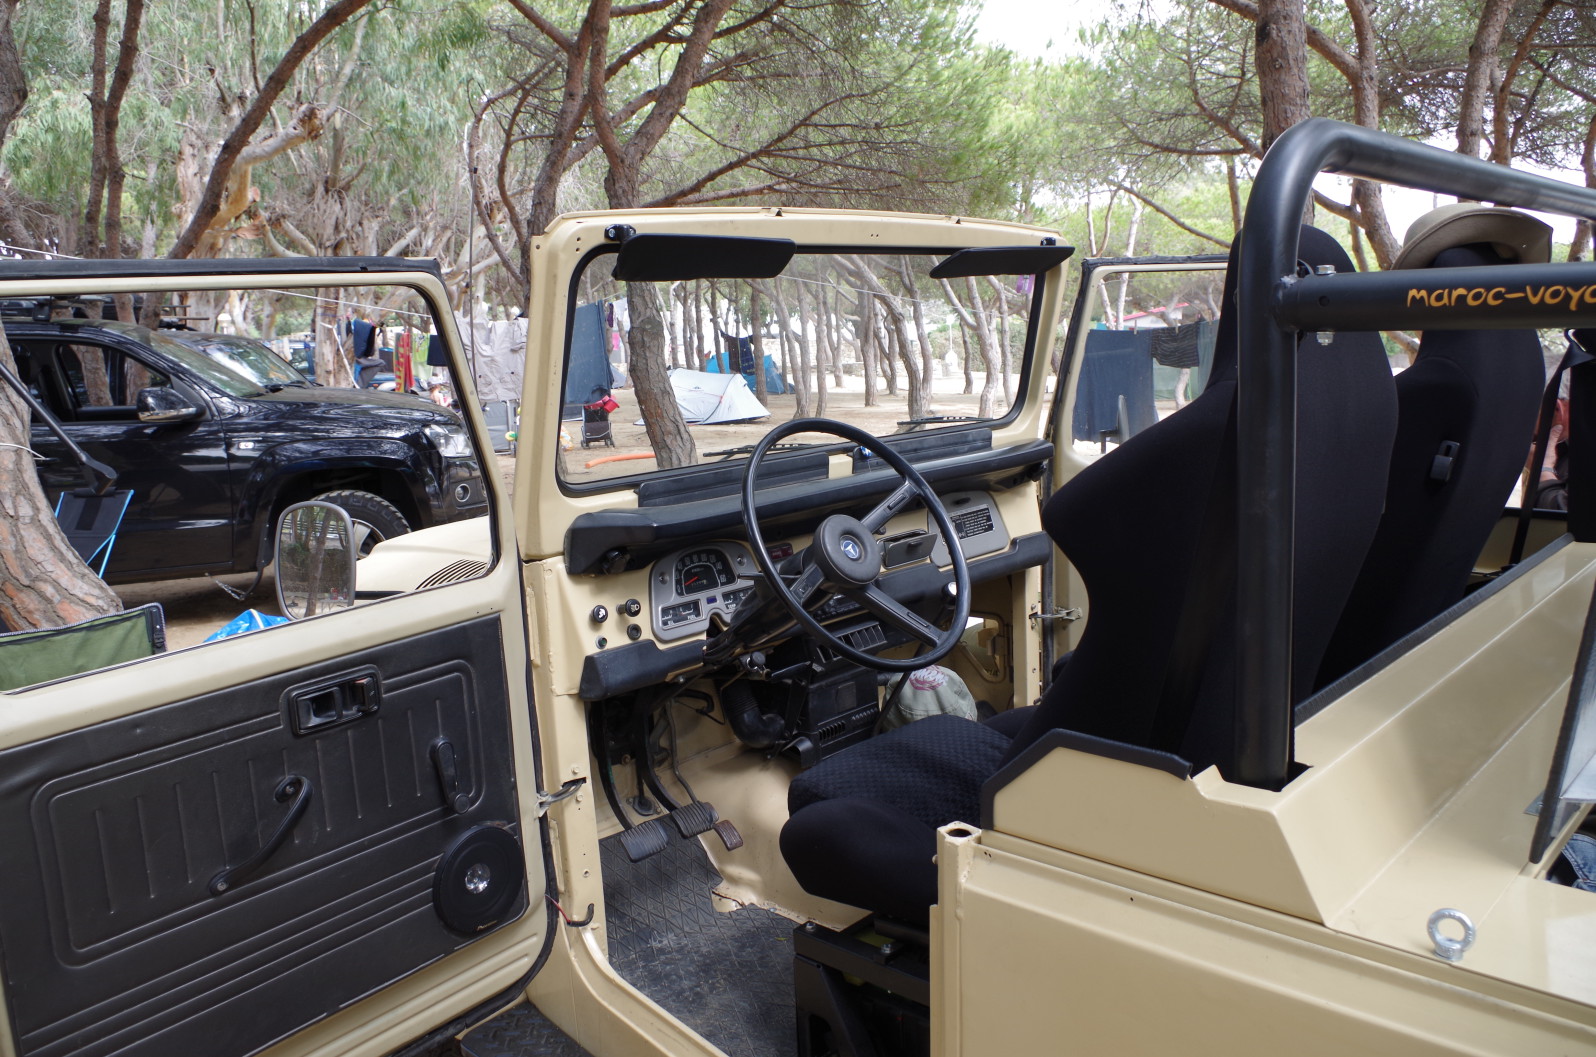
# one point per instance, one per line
(662, 418)
(1282, 39)
(43, 582)
(756, 339)
(1003, 337)
(983, 336)
(805, 358)
(1484, 52)
(867, 347)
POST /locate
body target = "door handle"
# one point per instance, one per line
(294, 787)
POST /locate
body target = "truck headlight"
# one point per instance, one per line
(451, 441)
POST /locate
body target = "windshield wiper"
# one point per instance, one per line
(938, 420)
(744, 449)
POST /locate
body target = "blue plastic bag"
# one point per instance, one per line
(247, 621)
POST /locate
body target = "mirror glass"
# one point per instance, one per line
(315, 560)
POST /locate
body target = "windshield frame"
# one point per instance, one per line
(1027, 353)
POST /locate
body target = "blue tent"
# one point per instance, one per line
(720, 364)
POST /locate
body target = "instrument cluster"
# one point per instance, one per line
(690, 586)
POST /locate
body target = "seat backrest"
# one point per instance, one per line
(1466, 416)
(1133, 524)
(38, 656)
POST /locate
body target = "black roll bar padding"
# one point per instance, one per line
(1527, 297)
(1267, 383)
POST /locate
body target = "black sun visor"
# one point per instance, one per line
(1002, 260)
(676, 258)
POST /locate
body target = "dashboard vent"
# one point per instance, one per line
(454, 572)
(866, 637)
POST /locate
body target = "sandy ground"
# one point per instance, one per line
(197, 607)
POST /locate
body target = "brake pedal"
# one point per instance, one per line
(694, 818)
(645, 839)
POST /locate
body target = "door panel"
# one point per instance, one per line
(112, 940)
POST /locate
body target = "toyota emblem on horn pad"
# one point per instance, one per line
(851, 549)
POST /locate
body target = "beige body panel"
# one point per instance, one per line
(1217, 917)
(1037, 951)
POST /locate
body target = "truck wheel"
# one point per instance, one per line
(375, 518)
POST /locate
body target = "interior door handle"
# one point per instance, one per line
(294, 787)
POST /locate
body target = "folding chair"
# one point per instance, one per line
(91, 522)
(43, 654)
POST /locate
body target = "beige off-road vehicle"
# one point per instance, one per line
(1183, 691)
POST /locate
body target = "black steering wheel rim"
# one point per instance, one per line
(912, 485)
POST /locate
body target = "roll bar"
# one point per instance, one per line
(1274, 305)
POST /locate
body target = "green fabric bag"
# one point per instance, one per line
(38, 656)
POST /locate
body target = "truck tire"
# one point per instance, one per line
(374, 517)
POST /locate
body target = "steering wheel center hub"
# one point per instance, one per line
(848, 553)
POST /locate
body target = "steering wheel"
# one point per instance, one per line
(845, 557)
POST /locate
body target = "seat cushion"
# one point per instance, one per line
(931, 770)
(864, 822)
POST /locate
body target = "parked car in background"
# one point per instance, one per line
(241, 435)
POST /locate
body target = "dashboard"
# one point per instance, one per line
(691, 586)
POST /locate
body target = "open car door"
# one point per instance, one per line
(320, 838)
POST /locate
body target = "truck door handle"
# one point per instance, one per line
(295, 787)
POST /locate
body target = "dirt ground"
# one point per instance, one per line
(197, 607)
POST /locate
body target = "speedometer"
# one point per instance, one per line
(702, 571)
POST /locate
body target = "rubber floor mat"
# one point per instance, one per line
(521, 1031)
(728, 976)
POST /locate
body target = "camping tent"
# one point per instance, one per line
(710, 398)
(774, 382)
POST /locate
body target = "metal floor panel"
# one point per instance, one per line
(728, 976)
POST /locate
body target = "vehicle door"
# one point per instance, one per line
(321, 837)
(180, 515)
(1138, 348)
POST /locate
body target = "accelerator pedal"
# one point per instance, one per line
(645, 839)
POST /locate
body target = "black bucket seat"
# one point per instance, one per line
(1151, 529)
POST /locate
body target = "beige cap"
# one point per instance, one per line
(1512, 233)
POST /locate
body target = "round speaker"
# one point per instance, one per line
(478, 879)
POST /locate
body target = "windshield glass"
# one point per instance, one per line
(668, 374)
(246, 356)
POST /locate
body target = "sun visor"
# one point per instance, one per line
(1002, 260)
(675, 258)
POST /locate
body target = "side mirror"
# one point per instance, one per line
(315, 559)
(163, 405)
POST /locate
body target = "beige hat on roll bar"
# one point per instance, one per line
(1513, 233)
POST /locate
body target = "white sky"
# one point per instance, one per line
(1032, 27)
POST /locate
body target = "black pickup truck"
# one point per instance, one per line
(210, 473)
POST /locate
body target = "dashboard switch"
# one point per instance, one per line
(600, 614)
(632, 607)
